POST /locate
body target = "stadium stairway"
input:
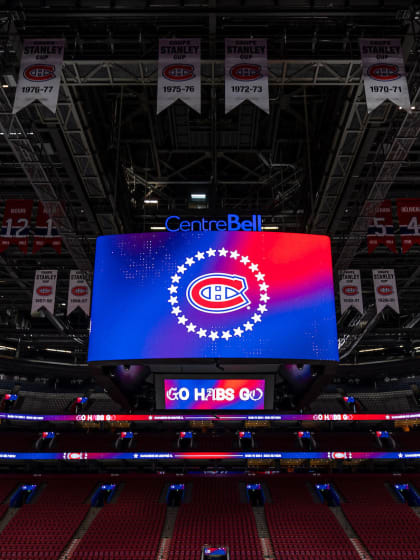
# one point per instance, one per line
(167, 532)
(263, 532)
(81, 531)
(354, 539)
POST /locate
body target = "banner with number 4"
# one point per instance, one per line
(409, 218)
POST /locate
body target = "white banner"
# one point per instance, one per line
(79, 292)
(246, 73)
(384, 73)
(385, 288)
(350, 290)
(39, 73)
(44, 290)
(179, 73)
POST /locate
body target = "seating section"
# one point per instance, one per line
(388, 530)
(7, 485)
(42, 530)
(302, 529)
(130, 528)
(215, 517)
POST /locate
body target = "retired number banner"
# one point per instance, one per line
(350, 290)
(179, 73)
(409, 218)
(44, 290)
(385, 287)
(246, 73)
(15, 225)
(79, 292)
(45, 232)
(39, 73)
(384, 73)
(381, 229)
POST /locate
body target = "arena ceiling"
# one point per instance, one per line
(317, 164)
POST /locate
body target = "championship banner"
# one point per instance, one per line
(79, 292)
(44, 290)
(179, 73)
(15, 225)
(384, 74)
(385, 288)
(381, 229)
(39, 73)
(409, 218)
(350, 287)
(246, 73)
(45, 232)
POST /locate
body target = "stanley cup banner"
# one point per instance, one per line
(15, 224)
(381, 229)
(179, 73)
(44, 290)
(39, 73)
(409, 219)
(384, 73)
(79, 292)
(45, 232)
(385, 288)
(246, 74)
(350, 290)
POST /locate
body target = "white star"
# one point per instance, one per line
(248, 326)
(213, 335)
(173, 289)
(226, 335)
(263, 287)
(238, 332)
(262, 308)
(256, 318)
(400, 455)
(172, 300)
(175, 278)
(253, 267)
(189, 261)
(264, 298)
(223, 252)
(191, 327)
(176, 310)
(199, 256)
(234, 254)
(201, 333)
(260, 276)
(244, 260)
(181, 269)
(211, 252)
(182, 320)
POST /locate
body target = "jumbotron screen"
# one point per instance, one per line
(197, 295)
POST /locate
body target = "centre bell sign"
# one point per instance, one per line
(232, 223)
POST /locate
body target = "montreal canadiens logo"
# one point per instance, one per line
(79, 291)
(218, 293)
(39, 72)
(383, 72)
(219, 305)
(44, 290)
(246, 72)
(350, 290)
(178, 72)
(384, 290)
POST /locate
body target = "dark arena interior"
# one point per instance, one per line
(209, 280)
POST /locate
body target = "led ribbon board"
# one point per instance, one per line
(196, 455)
(234, 295)
(219, 418)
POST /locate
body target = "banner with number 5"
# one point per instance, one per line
(381, 229)
(409, 218)
(15, 225)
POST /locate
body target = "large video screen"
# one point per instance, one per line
(197, 295)
(214, 394)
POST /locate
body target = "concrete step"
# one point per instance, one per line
(350, 532)
(263, 532)
(10, 513)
